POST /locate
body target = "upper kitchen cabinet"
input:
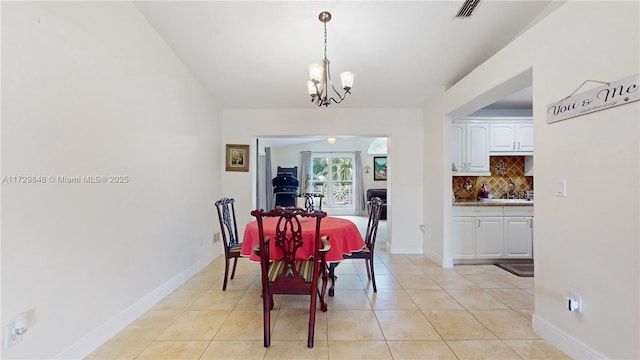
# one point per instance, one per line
(470, 148)
(511, 137)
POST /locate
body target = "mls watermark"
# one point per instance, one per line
(60, 179)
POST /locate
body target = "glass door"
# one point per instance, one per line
(332, 176)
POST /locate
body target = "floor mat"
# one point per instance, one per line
(523, 270)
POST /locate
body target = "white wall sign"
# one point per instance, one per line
(604, 97)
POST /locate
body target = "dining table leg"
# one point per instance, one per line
(332, 276)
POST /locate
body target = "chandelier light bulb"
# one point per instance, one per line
(331, 140)
(311, 87)
(347, 79)
(315, 72)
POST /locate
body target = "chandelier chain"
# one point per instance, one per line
(325, 39)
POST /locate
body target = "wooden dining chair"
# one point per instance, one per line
(229, 229)
(283, 270)
(310, 201)
(366, 253)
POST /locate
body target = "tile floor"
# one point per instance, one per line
(420, 311)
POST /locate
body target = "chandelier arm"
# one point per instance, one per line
(340, 97)
(337, 93)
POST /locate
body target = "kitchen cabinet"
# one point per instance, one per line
(518, 232)
(478, 232)
(511, 137)
(528, 165)
(489, 237)
(492, 232)
(470, 148)
(464, 243)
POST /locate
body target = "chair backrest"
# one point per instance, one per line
(287, 242)
(375, 209)
(309, 201)
(228, 227)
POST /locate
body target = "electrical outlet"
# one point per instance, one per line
(10, 337)
(216, 237)
(574, 303)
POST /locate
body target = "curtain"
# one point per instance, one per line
(358, 188)
(268, 177)
(305, 171)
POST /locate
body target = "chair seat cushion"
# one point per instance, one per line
(236, 248)
(304, 268)
(365, 249)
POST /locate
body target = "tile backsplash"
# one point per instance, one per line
(503, 170)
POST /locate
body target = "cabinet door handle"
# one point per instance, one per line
(478, 222)
(514, 145)
(518, 145)
(530, 223)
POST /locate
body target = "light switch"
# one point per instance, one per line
(561, 188)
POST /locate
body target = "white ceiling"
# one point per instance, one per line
(254, 54)
(522, 99)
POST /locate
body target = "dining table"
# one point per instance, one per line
(344, 238)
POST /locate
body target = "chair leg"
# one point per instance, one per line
(312, 321)
(333, 277)
(323, 289)
(367, 265)
(235, 262)
(267, 301)
(226, 274)
(373, 276)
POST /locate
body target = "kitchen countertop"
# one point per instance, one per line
(493, 202)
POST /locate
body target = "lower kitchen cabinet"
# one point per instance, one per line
(464, 238)
(518, 236)
(518, 232)
(489, 237)
(492, 232)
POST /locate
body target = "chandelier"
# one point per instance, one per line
(320, 77)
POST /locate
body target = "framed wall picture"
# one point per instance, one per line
(237, 157)
(379, 168)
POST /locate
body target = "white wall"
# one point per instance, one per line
(404, 128)
(290, 156)
(90, 89)
(587, 242)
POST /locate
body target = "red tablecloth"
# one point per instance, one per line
(344, 237)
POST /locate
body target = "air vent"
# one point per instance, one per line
(467, 9)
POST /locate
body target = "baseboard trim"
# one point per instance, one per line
(99, 336)
(438, 259)
(563, 341)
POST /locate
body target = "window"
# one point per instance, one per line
(378, 146)
(332, 176)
